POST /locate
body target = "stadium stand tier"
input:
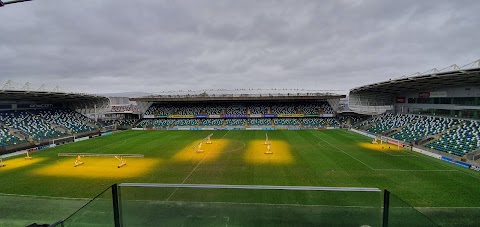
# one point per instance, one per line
(460, 140)
(259, 122)
(285, 122)
(211, 122)
(235, 122)
(6, 138)
(38, 125)
(423, 126)
(34, 126)
(186, 122)
(313, 122)
(454, 136)
(121, 122)
(256, 108)
(150, 123)
(68, 119)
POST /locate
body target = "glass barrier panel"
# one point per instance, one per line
(98, 212)
(401, 213)
(248, 206)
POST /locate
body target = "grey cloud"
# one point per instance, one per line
(153, 46)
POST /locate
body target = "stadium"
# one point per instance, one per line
(394, 153)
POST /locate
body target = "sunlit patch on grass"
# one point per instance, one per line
(380, 147)
(213, 150)
(19, 163)
(99, 167)
(255, 153)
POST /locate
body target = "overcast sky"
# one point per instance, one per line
(100, 46)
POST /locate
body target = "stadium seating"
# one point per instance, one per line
(30, 124)
(7, 139)
(343, 120)
(459, 141)
(160, 110)
(186, 122)
(211, 122)
(234, 122)
(150, 123)
(389, 121)
(259, 122)
(423, 126)
(453, 136)
(258, 109)
(332, 122)
(121, 122)
(308, 108)
(283, 109)
(355, 119)
(69, 119)
(236, 109)
(285, 122)
(326, 108)
(313, 122)
(190, 110)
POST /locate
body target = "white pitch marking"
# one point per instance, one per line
(196, 166)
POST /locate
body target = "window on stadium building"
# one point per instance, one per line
(464, 101)
(472, 114)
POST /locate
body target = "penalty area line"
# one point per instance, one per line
(343, 151)
(399, 170)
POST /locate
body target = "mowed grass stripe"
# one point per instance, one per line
(432, 185)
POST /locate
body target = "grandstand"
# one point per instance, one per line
(240, 111)
(31, 118)
(437, 110)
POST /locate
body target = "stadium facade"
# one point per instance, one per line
(453, 91)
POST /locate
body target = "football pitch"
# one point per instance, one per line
(53, 188)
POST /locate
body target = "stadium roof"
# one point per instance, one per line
(15, 92)
(452, 76)
(45, 96)
(295, 96)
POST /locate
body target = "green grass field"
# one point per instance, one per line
(447, 193)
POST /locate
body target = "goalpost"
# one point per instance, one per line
(63, 138)
(387, 141)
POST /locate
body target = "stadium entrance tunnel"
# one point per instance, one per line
(99, 167)
(281, 154)
(138, 204)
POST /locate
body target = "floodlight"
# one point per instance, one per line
(11, 2)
